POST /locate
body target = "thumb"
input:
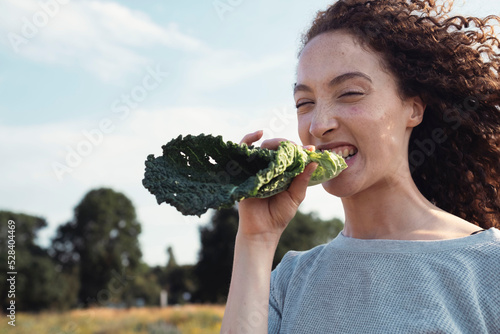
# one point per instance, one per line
(299, 184)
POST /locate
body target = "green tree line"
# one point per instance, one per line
(95, 259)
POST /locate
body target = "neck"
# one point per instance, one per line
(393, 209)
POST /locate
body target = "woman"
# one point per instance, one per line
(411, 99)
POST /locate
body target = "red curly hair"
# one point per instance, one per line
(452, 63)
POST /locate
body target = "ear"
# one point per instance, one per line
(417, 108)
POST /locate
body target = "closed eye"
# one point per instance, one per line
(351, 94)
(302, 104)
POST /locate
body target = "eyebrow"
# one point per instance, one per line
(334, 82)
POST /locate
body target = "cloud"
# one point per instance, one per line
(103, 37)
(115, 43)
(135, 28)
(222, 68)
(112, 41)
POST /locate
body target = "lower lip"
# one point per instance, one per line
(350, 161)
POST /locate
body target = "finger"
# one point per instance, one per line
(273, 143)
(298, 187)
(310, 148)
(252, 137)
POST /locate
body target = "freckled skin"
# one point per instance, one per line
(376, 121)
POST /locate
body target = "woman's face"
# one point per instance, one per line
(348, 103)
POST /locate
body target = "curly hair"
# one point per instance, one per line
(452, 63)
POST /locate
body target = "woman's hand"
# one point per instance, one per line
(266, 218)
(262, 220)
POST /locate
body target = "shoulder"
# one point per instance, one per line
(286, 278)
(488, 247)
(476, 257)
(488, 240)
(495, 234)
(293, 265)
(298, 260)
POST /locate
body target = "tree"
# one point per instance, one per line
(178, 281)
(144, 286)
(39, 284)
(172, 263)
(213, 270)
(306, 231)
(102, 243)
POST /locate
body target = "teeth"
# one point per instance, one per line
(346, 153)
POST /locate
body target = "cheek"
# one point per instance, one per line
(376, 121)
(394, 128)
(303, 129)
(385, 137)
(356, 111)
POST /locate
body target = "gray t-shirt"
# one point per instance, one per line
(389, 286)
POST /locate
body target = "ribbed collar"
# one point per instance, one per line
(491, 235)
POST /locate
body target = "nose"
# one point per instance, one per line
(323, 122)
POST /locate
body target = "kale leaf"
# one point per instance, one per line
(196, 173)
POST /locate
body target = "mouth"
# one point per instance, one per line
(346, 152)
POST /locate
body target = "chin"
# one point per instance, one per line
(337, 187)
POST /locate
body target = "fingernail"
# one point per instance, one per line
(309, 148)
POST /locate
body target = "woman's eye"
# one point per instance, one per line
(351, 94)
(298, 105)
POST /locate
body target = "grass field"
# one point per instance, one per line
(189, 319)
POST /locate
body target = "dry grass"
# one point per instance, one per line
(189, 319)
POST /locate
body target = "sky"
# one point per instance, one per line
(88, 89)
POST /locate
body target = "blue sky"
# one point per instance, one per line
(89, 88)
